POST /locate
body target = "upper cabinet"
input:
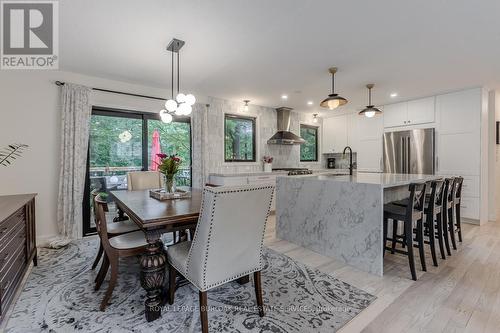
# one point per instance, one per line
(334, 134)
(419, 111)
(395, 114)
(459, 112)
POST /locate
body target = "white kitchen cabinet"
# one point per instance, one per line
(419, 111)
(395, 114)
(460, 111)
(370, 128)
(369, 155)
(459, 154)
(227, 181)
(334, 134)
(221, 180)
(353, 131)
(459, 144)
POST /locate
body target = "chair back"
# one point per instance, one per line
(458, 188)
(417, 199)
(437, 189)
(448, 192)
(144, 180)
(229, 236)
(100, 208)
(94, 194)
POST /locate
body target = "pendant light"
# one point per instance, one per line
(245, 107)
(333, 100)
(370, 110)
(315, 118)
(182, 104)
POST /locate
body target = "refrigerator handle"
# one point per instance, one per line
(402, 162)
(408, 159)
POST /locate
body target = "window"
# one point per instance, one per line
(122, 141)
(239, 139)
(309, 149)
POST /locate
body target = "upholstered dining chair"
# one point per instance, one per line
(113, 228)
(126, 245)
(227, 243)
(143, 180)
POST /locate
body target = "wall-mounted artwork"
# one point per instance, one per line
(498, 132)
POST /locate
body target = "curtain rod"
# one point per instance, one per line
(59, 83)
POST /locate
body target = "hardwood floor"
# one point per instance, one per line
(461, 295)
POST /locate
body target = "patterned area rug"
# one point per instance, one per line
(59, 297)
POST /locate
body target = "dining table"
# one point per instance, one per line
(156, 217)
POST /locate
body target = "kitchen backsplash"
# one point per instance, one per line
(284, 155)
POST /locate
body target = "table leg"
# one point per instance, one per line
(121, 216)
(153, 275)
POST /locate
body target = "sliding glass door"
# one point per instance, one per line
(122, 141)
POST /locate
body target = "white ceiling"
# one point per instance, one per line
(261, 49)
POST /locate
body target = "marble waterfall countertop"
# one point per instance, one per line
(386, 180)
(340, 216)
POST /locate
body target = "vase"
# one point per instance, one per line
(268, 167)
(170, 186)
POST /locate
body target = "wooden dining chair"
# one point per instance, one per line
(113, 228)
(122, 246)
(227, 244)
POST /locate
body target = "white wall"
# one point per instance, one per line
(30, 114)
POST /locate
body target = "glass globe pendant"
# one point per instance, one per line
(183, 103)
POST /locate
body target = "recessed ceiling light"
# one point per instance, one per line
(310, 103)
(284, 96)
(394, 94)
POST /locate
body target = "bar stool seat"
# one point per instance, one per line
(398, 212)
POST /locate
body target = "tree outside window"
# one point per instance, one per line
(239, 138)
(309, 149)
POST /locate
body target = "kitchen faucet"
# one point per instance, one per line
(350, 158)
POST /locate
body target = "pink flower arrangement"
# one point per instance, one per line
(169, 165)
(267, 159)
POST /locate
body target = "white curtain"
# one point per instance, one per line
(76, 112)
(199, 137)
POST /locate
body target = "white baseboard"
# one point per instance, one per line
(470, 221)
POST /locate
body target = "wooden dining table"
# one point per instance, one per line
(154, 218)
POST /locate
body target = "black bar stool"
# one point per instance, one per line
(457, 198)
(410, 215)
(433, 225)
(434, 218)
(447, 212)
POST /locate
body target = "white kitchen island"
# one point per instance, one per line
(340, 216)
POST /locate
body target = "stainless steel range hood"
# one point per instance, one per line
(284, 136)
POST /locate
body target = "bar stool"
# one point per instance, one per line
(433, 218)
(447, 212)
(412, 214)
(457, 198)
(433, 226)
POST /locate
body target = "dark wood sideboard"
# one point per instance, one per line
(17, 244)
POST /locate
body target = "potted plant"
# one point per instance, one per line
(268, 163)
(10, 153)
(169, 166)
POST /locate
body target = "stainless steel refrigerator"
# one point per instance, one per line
(409, 151)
